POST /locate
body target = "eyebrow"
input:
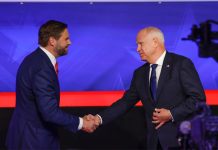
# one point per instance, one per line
(139, 42)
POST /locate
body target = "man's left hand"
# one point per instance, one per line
(160, 116)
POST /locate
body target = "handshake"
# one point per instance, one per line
(91, 123)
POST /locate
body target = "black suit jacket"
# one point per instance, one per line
(37, 114)
(179, 90)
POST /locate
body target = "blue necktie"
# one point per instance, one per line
(153, 82)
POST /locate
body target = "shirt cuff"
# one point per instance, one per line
(172, 119)
(100, 118)
(80, 123)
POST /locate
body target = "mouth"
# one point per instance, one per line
(66, 48)
(142, 55)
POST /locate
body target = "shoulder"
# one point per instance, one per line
(35, 56)
(142, 68)
(177, 59)
(34, 61)
(177, 56)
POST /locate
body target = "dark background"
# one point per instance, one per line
(126, 132)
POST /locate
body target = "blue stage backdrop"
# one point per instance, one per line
(103, 52)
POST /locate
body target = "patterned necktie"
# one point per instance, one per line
(153, 82)
(56, 68)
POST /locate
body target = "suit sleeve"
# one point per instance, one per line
(47, 103)
(193, 90)
(129, 99)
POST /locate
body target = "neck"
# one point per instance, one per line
(51, 50)
(156, 56)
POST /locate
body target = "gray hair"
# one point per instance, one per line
(155, 32)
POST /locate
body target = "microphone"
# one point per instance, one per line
(185, 127)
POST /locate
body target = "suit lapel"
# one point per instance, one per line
(50, 66)
(164, 75)
(45, 57)
(48, 62)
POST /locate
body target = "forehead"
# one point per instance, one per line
(65, 33)
(141, 36)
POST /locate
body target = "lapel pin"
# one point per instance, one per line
(168, 66)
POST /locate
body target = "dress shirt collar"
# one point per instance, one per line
(160, 59)
(50, 56)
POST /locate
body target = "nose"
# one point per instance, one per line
(69, 42)
(138, 48)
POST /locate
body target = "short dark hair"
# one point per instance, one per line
(49, 29)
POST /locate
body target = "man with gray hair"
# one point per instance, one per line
(168, 86)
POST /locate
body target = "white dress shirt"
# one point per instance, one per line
(159, 63)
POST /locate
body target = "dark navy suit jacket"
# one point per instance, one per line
(179, 90)
(37, 114)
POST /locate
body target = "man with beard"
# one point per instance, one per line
(37, 114)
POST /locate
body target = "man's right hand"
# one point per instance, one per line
(90, 123)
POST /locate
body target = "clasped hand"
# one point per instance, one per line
(90, 123)
(160, 117)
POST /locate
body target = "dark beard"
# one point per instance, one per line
(62, 52)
